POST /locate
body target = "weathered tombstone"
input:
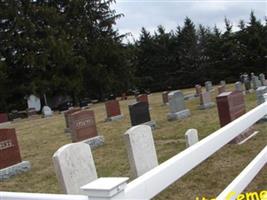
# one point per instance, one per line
(165, 97)
(208, 86)
(222, 82)
(142, 98)
(47, 112)
(113, 110)
(259, 94)
(221, 89)
(191, 137)
(198, 90)
(67, 117)
(238, 86)
(247, 82)
(177, 106)
(141, 149)
(139, 114)
(83, 128)
(231, 105)
(34, 102)
(256, 82)
(10, 158)
(205, 101)
(262, 79)
(74, 166)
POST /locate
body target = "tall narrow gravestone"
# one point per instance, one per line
(177, 106)
(165, 99)
(113, 110)
(10, 158)
(205, 101)
(74, 166)
(198, 90)
(231, 105)
(83, 128)
(262, 79)
(141, 149)
(67, 115)
(139, 114)
(238, 86)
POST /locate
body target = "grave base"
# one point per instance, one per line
(151, 123)
(189, 97)
(95, 141)
(243, 137)
(4, 124)
(114, 118)
(178, 115)
(206, 106)
(7, 172)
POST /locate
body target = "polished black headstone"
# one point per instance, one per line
(139, 113)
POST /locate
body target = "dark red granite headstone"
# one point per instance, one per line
(113, 108)
(83, 125)
(231, 105)
(198, 90)
(221, 89)
(165, 97)
(68, 113)
(142, 98)
(3, 117)
(9, 148)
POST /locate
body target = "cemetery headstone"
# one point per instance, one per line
(191, 137)
(247, 82)
(198, 90)
(256, 82)
(262, 79)
(165, 97)
(205, 101)
(10, 158)
(141, 149)
(139, 114)
(142, 98)
(4, 119)
(208, 86)
(259, 94)
(238, 86)
(113, 110)
(83, 128)
(34, 102)
(47, 112)
(222, 82)
(177, 106)
(67, 117)
(74, 166)
(221, 89)
(231, 105)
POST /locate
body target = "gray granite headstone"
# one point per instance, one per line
(74, 166)
(262, 79)
(208, 86)
(222, 82)
(247, 82)
(205, 101)
(177, 106)
(259, 93)
(141, 149)
(191, 137)
(256, 82)
(238, 86)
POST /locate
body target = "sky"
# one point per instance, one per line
(171, 13)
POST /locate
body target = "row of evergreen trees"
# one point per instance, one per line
(64, 47)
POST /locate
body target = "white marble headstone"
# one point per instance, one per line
(34, 102)
(191, 137)
(141, 149)
(74, 166)
(47, 112)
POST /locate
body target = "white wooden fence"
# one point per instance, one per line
(156, 180)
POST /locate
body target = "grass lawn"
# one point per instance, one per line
(40, 138)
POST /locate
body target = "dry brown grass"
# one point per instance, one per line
(40, 138)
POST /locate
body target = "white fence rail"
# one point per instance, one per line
(156, 180)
